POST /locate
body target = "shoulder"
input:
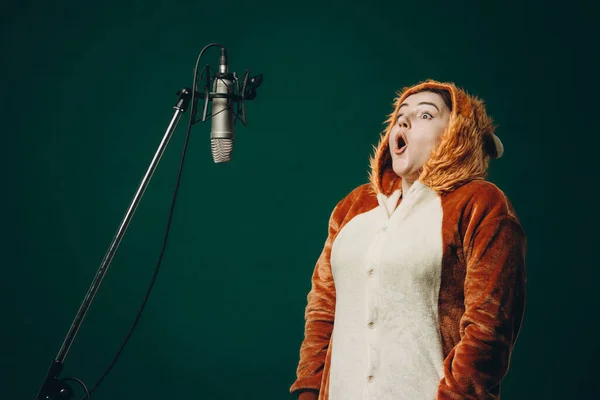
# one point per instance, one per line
(483, 196)
(358, 193)
(358, 200)
(481, 190)
(479, 202)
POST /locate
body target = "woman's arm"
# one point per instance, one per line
(319, 313)
(308, 396)
(494, 304)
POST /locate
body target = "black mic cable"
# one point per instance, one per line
(166, 237)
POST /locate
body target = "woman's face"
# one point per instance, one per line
(422, 118)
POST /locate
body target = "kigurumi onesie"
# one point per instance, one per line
(419, 295)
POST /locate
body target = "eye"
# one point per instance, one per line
(427, 115)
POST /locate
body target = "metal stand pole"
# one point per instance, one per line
(53, 388)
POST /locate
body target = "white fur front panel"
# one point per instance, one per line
(386, 265)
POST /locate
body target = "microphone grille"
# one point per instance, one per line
(221, 149)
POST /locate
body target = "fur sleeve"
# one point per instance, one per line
(320, 311)
(494, 295)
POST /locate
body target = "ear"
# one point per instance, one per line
(499, 147)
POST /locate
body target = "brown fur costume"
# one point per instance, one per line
(482, 291)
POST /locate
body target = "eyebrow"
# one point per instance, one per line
(423, 102)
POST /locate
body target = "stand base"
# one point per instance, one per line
(53, 388)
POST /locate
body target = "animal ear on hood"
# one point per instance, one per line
(462, 154)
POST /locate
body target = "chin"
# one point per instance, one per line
(400, 168)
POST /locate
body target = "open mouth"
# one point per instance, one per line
(401, 143)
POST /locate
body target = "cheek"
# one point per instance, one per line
(433, 137)
(440, 131)
(392, 135)
(422, 141)
(424, 144)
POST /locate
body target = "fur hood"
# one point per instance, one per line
(462, 155)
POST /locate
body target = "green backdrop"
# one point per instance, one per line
(87, 93)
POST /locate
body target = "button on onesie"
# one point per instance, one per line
(386, 265)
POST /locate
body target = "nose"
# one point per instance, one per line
(403, 122)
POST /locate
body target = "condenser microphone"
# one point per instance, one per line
(221, 132)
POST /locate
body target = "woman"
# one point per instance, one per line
(423, 269)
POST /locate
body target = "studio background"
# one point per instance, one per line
(87, 92)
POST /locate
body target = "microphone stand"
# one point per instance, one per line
(54, 388)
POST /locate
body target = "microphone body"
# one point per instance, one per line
(221, 132)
